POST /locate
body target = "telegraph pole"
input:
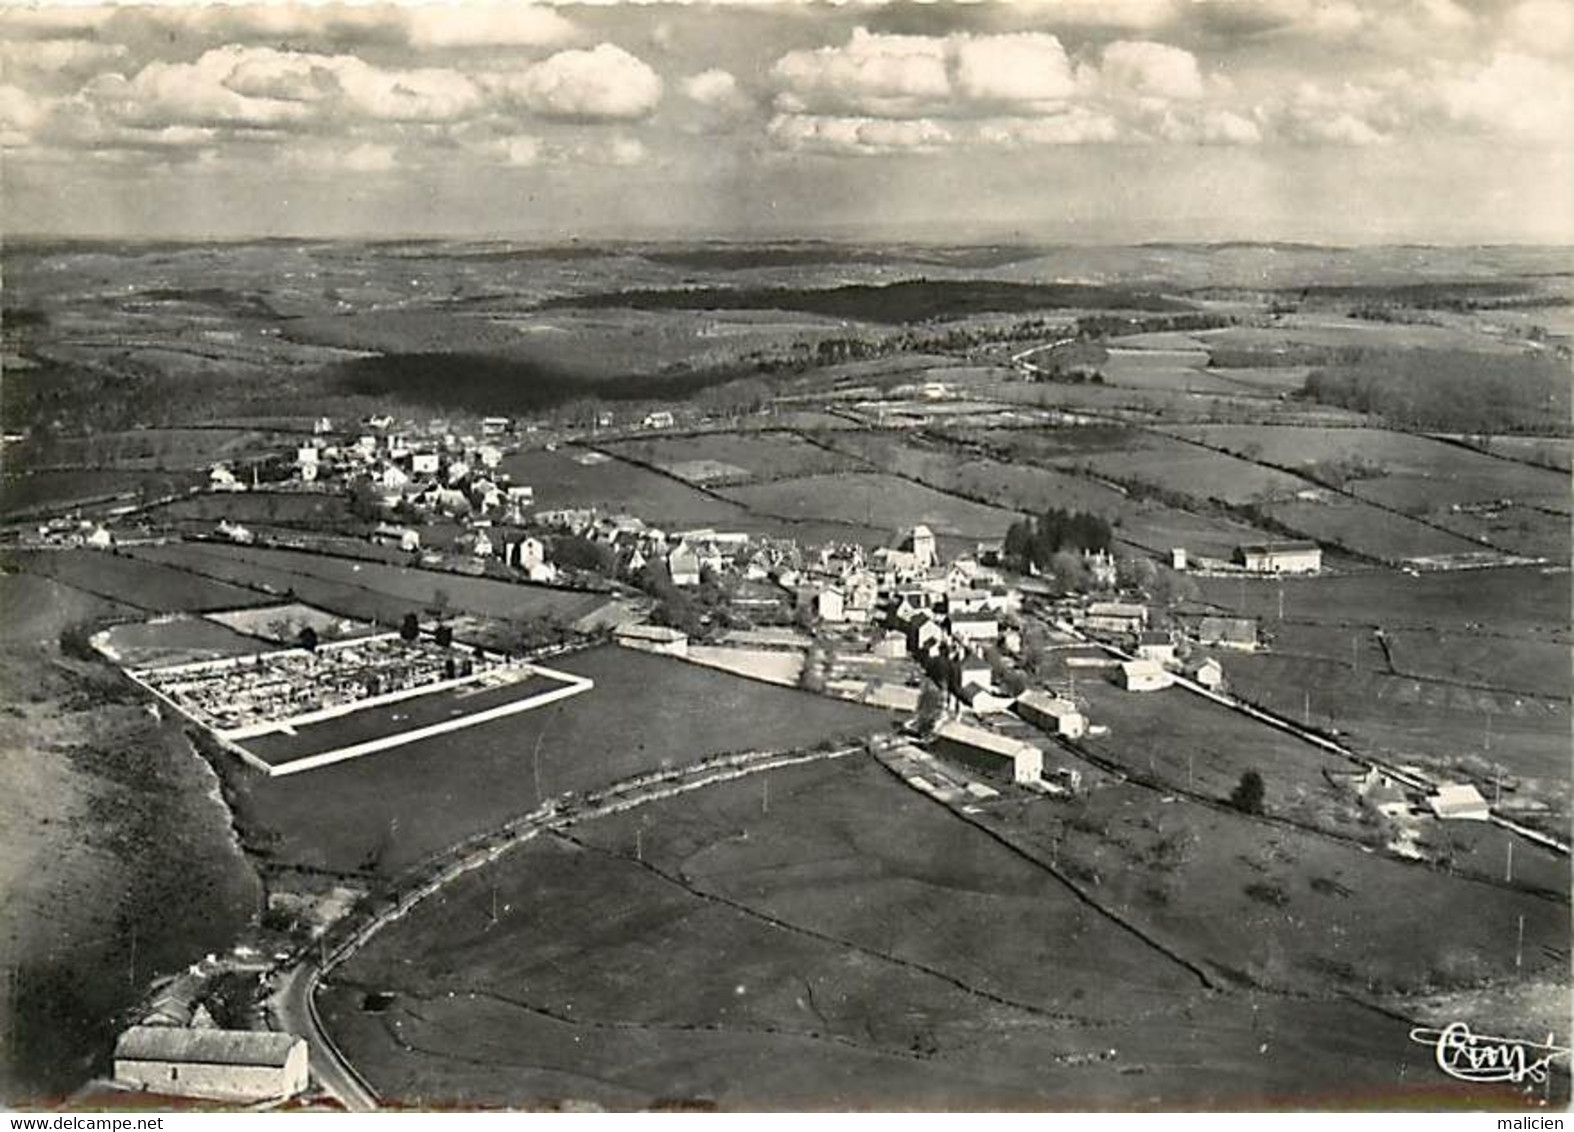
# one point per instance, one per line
(1519, 948)
(1508, 872)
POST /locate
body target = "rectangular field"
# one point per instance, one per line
(370, 590)
(132, 580)
(759, 456)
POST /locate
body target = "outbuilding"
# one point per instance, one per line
(994, 755)
(1458, 801)
(241, 1065)
(1051, 713)
(1144, 676)
(652, 638)
(1281, 557)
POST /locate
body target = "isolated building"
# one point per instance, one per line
(1209, 673)
(1051, 713)
(994, 755)
(237, 1065)
(1144, 676)
(659, 419)
(1458, 801)
(1178, 558)
(1239, 633)
(1281, 557)
(652, 638)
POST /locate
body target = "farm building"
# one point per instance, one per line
(659, 419)
(1156, 645)
(988, 753)
(218, 1064)
(1209, 673)
(652, 638)
(1052, 713)
(1115, 617)
(1281, 557)
(1178, 558)
(1458, 801)
(1238, 633)
(1144, 676)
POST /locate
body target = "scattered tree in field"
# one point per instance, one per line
(1135, 573)
(308, 639)
(931, 702)
(1248, 793)
(409, 628)
(445, 636)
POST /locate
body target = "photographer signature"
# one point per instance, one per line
(1469, 1056)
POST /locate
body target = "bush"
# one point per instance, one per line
(1248, 793)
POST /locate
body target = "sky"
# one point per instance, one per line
(1083, 121)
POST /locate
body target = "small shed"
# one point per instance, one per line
(1458, 801)
(652, 638)
(219, 1064)
(1054, 714)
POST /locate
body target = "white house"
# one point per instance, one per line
(1209, 673)
(1156, 645)
(489, 455)
(975, 628)
(659, 419)
(920, 542)
(1144, 676)
(425, 463)
(684, 566)
(528, 552)
(394, 478)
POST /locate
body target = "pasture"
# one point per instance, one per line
(384, 812)
(174, 640)
(759, 456)
(253, 508)
(144, 583)
(821, 952)
(876, 501)
(25, 492)
(369, 591)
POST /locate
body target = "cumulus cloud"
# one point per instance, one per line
(856, 136)
(1027, 67)
(1143, 69)
(605, 83)
(1524, 97)
(870, 75)
(716, 89)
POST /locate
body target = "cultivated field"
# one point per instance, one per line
(135, 581)
(384, 812)
(369, 591)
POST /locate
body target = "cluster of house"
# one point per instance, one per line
(446, 474)
(237, 694)
(1399, 800)
(72, 532)
(1154, 653)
